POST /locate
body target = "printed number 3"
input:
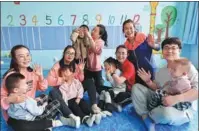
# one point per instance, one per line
(23, 18)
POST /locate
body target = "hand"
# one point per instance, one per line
(45, 104)
(16, 98)
(144, 75)
(38, 70)
(77, 100)
(81, 64)
(88, 35)
(38, 99)
(77, 30)
(169, 100)
(150, 40)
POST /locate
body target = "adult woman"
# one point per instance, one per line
(139, 48)
(20, 62)
(128, 74)
(55, 80)
(166, 114)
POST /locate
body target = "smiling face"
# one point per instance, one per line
(129, 30)
(22, 57)
(121, 54)
(171, 52)
(69, 55)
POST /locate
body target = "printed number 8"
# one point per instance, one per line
(85, 19)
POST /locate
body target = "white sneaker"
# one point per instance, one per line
(89, 120)
(73, 122)
(98, 118)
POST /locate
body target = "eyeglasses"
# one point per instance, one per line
(71, 54)
(170, 48)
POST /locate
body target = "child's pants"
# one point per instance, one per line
(156, 99)
(55, 94)
(82, 109)
(160, 114)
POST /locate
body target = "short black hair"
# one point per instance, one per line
(84, 26)
(121, 46)
(12, 81)
(65, 67)
(171, 41)
(112, 61)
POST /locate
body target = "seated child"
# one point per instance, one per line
(72, 93)
(80, 42)
(30, 109)
(107, 95)
(179, 84)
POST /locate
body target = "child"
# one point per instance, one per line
(111, 67)
(29, 109)
(72, 93)
(179, 84)
(80, 42)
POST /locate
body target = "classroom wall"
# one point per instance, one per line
(45, 27)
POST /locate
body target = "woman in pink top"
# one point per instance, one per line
(68, 58)
(97, 38)
(20, 62)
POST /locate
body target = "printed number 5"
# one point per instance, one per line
(48, 18)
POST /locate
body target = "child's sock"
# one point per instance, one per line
(98, 118)
(149, 124)
(89, 120)
(73, 122)
(101, 96)
(107, 97)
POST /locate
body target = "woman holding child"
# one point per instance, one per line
(166, 113)
(20, 63)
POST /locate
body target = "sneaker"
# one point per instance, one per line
(98, 118)
(73, 122)
(89, 120)
(107, 113)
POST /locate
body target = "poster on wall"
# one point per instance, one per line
(48, 25)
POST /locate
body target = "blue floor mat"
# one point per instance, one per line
(127, 120)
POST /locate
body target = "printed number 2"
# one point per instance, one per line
(11, 20)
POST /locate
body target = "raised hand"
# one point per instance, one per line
(150, 40)
(88, 34)
(38, 70)
(145, 76)
(81, 64)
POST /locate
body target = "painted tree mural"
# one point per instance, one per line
(159, 30)
(168, 17)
